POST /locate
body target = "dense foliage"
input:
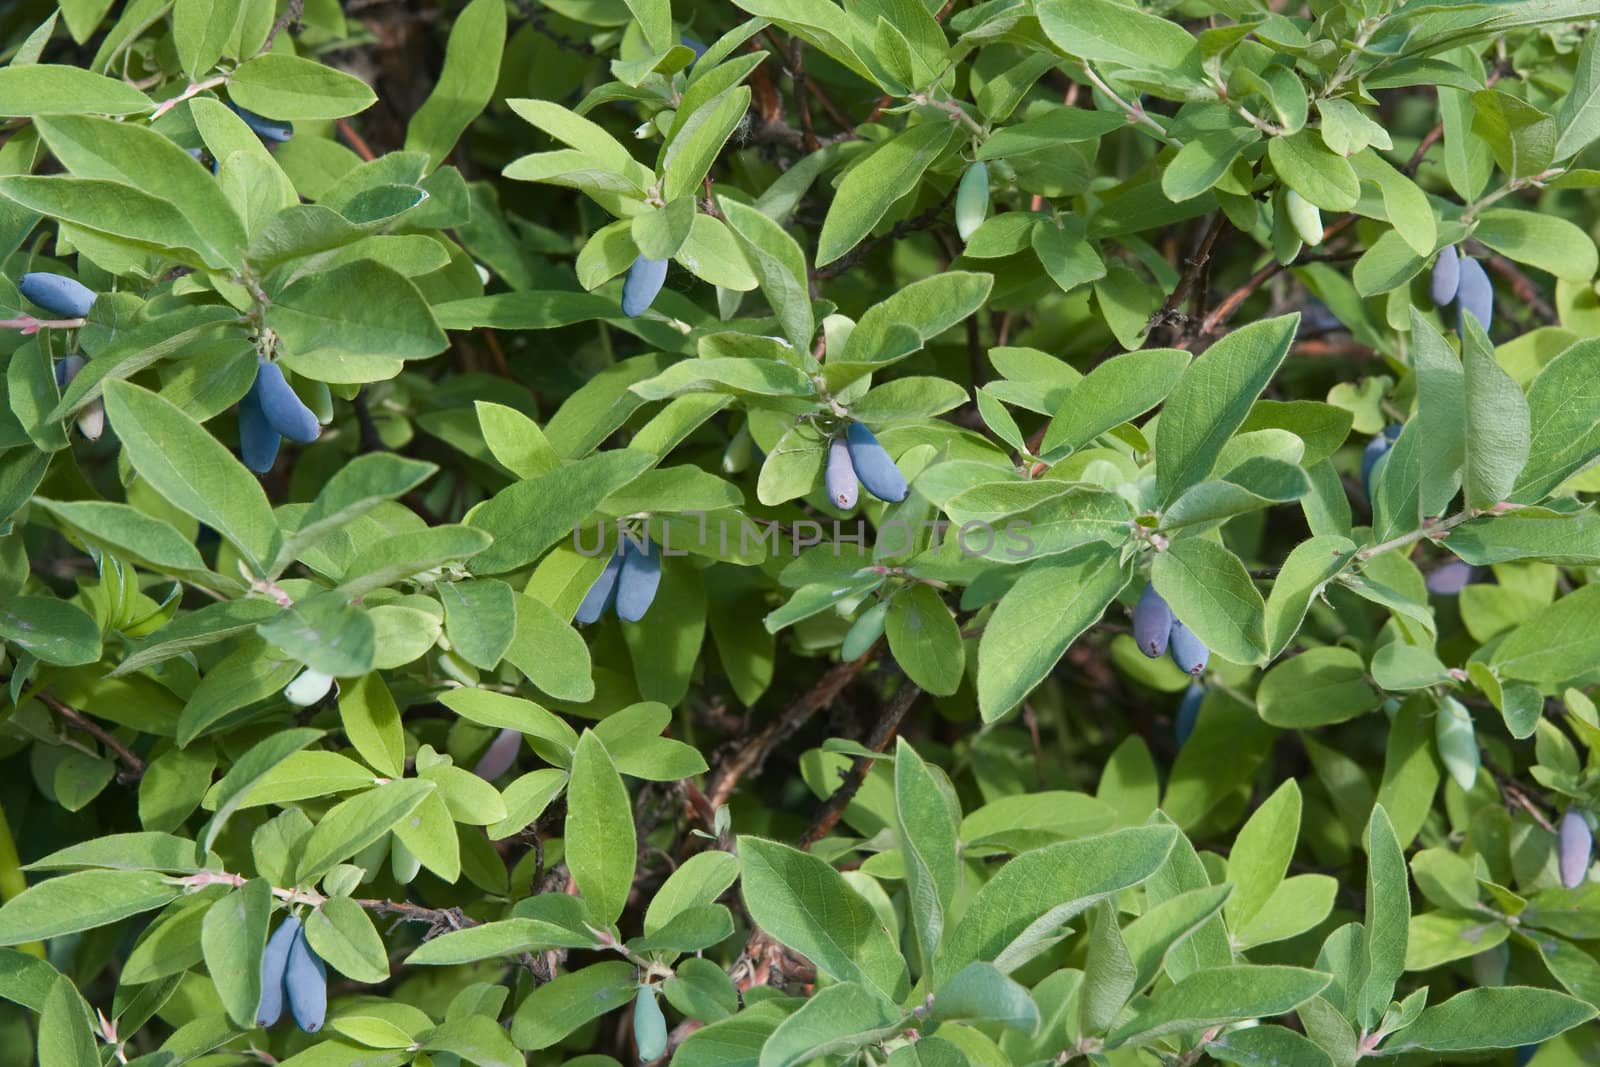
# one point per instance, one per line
(773, 534)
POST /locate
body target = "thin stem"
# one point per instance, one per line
(1431, 529)
(1136, 113)
(29, 325)
(194, 89)
(134, 764)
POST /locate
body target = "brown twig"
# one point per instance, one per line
(1527, 292)
(754, 752)
(291, 17)
(1194, 267)
(1230, 304)
(884, 732)
(133, 764)
(357, 144)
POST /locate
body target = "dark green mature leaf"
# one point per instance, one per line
(1383, 950)
(1211, 592)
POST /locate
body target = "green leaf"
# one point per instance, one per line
(1578, 117)
(1220, 995)
(66, 1038)
(1306, 166)
(1565, 421)
(283, 86)
(834, 1021)
(353, 824)
(1116, 391)
(480, 619)
(871, 187)
(805, 904)
(1210, 590)
(465, 85)
(512, 713)
(780, 268)
(232, 937)
(1054, 601)
(1522, 138)
(694, 147)
(192, 469)
(331, 338)
(1497, 423)
(343, 935)
(599, 831)
(352, 491)
(54, 631)
(1500, 1017)
(927, 834)
(556, 1008)
(1261, 853)
(728, 374)
(925, 640)
(1302, 577)
(1388, 916)
(81, 900)
(1319, 687)
(1555, 645)
(1213, 398)
(326, 632)
(1020, 912)
(528, 517)
(901, 324)
(1103, 30)
(57, 89)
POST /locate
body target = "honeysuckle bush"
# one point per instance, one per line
(774, 534)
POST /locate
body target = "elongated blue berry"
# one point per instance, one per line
(1446, 277)
(66, 369)
(500, 755)
(1188, 712)
(285, 411)
(263, 127)
(603, 591)
(638, 581)
(972, 199)
(877, 472)
(305, 982)
(1476, 295)
(1576, 843)
(649, 1026)
(57, 294)
(258, 441)
(1188, 651)
(274, 964)
(644, 281)
(1152, 622)
(1525, 1054)
(693, 45)
(843, 486)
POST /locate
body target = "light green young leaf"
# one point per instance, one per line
(599, 832)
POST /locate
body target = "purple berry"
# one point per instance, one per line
(1152, 623)
(1188, 651)
(1476, 294)
(1446, 277)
